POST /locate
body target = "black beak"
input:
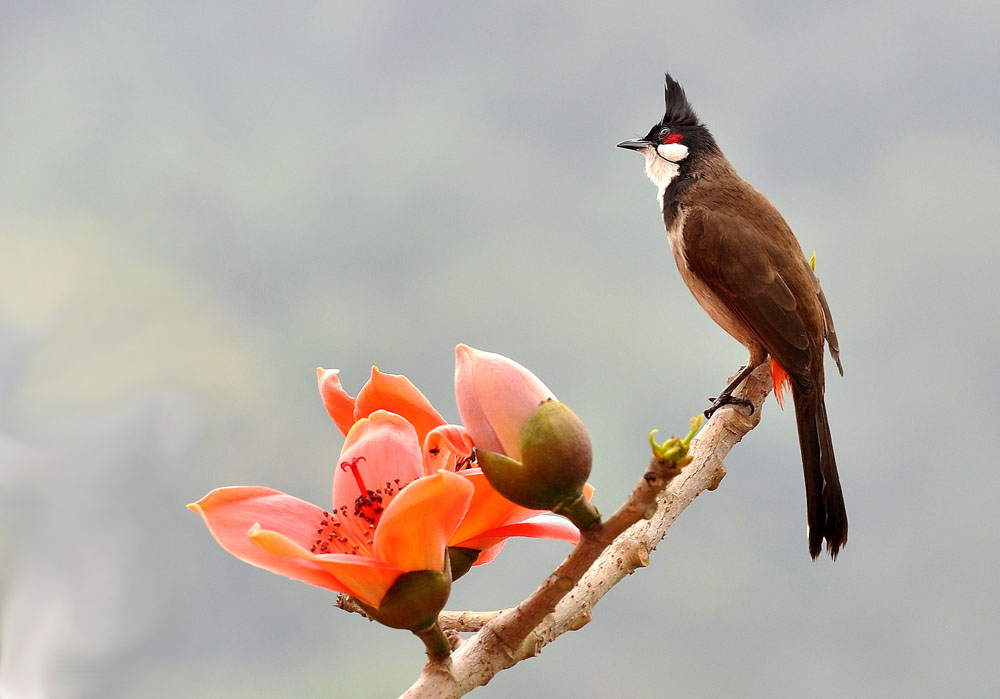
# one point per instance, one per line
(635, 144)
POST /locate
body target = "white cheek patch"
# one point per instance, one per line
(674, 152)
(659, 170)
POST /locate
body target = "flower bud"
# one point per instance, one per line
(495, 397)
(555, 462)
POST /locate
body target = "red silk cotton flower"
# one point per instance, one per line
(388, 517)
(490, 518)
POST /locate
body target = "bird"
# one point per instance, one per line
(746, 269)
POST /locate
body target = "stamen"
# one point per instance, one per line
(368, 505)
(467, 461)
(329, 531)
(344, 531)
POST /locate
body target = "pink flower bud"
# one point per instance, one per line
(495, 396)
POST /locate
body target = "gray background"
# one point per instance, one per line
(201, 202)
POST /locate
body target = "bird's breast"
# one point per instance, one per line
(703, 294)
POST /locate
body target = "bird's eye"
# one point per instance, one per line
(666, 137)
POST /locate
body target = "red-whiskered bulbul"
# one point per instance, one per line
(744, 266)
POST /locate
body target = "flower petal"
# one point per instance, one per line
(338, 403)
(386, 453)
(543, 526)
(489, 552)
(396, 394)
(415, 528)
(230, 512)
(495, 396)
(487, 510)
(358, 576)
(444, 447)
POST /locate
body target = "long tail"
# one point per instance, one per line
(825, 510)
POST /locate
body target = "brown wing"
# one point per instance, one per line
(759, 275)
(831, 333)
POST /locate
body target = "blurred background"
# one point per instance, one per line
(202, 202)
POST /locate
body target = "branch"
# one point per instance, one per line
(603, 557)
(447, 620)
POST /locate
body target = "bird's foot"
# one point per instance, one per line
(727, 399)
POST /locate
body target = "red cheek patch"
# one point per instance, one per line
(671, 138)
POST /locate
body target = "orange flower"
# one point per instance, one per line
(490, 518)
(390, 392)
(388, 517)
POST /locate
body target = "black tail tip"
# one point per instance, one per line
(833, 545)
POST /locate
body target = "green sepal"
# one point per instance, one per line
(462, 560)
(556, 458)
(508, 477)
(414, 600)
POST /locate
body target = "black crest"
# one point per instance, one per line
(679, 111)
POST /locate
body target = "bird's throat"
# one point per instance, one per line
(661, 171)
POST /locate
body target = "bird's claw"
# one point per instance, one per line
(727, 399)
